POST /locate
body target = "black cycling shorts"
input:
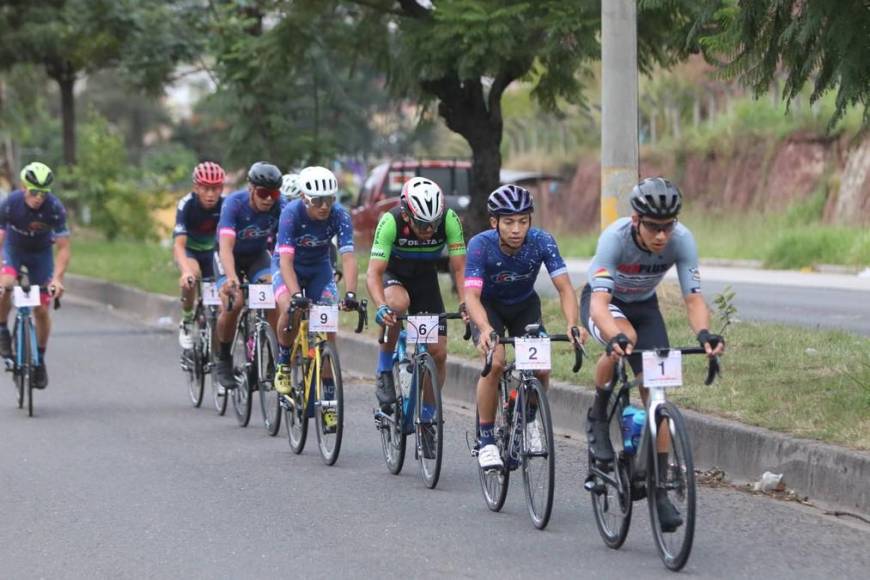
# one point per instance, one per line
(510, 318)
(251, 267)
(424, 292)
(644, 316)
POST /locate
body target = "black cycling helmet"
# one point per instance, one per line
(262, 174)
(510, 200)
(656, 197)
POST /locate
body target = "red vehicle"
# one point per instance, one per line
(380, 192)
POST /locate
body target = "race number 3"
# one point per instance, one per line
(22, 298)
(323, 318)
(261, 296)
(663, 371)
(533, 354)
(423, 329)
(210, 295)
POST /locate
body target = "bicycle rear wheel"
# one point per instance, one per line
(678, 483)
(393, 437)
(494, 482)
(241, 395)
(267, 354)
(429, 423)
(611, 493)
(538, 461)
(295, 406)
(329, 410)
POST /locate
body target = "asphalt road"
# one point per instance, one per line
(118, 476)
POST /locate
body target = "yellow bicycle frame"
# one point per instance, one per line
(301, 345)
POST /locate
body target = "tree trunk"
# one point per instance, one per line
(486, 166)
(66, 80)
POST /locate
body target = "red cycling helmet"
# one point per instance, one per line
(208, 173)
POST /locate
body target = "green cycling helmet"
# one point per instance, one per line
(37, 175)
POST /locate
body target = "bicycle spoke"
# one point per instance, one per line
(329, 414)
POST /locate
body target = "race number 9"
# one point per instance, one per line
(324, 318)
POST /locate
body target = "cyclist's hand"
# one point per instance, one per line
(581, 337)
(619, 346)
(299, 301)
(231, 285)
(55, 288)
(385, 316)
(714, 344)
(186, 279)
(350, 302)
(486, 343)
(463, 310)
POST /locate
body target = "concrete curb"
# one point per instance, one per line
(825, 473)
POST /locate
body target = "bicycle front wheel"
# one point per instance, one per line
(296, 406)
(28, 366)
(538, 452)
(329, 410)
(18, 375)
(241, 395)
(267, 354)
(494, 482)
(675, 483)
(610, 489)
(429, 423)
(197, 362)
(393, 437)
(219, 395)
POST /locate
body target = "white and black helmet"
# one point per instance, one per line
(656, 197)
(317, 181)
(290, 185)
(423, 200)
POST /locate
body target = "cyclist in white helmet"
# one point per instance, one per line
(290, 186)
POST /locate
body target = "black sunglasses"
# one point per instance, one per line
(659, 228)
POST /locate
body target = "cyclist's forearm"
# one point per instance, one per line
(698, 313)
(458, 265)
(476, 311)
(62, 258)
(228, 261)
(599, 311)
(348, 264)
(568, 300)
(179, 252)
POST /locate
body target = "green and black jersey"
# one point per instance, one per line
(408, 255)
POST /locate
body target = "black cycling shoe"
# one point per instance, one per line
(598, 439)
(385, 389)
(5, 344)
(669, 516)
(40, 377)
(427, 441)
(225, 376)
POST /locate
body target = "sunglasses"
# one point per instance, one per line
(39, 192)
(326, 200)
(659, 228)
(425, 226)
(265, 193)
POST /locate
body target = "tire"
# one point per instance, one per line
(427, 383)
(18, 375)
(611, 497)
(494, 483)
(679, 482)
(296, 410)
(393, 436)
(329, 440)
(196, 374)
(27, 375)
(267, 355)
(220, 400)
(242, 368)
(539, 467)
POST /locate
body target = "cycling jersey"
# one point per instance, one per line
(624, 269)
(309, 239)
(32, 229)
(407, 254)
(510, 279)
(197, 223)
(251, 228)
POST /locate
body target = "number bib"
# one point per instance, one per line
(533, 354)
(23, 299)
(261, 297)
(210, 294)
(422, 329)
(666, 371)
(323, 318)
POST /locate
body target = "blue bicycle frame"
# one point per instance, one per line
(23, 319)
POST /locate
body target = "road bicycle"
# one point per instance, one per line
(523, 429)
(418, 409)
(636, 472)
(198, 361)
(313, 359)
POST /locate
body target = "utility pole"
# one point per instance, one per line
(619, 148)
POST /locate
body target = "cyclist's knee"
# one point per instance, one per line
(397, 298)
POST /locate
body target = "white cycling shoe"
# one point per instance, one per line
(489, 458)
(185, 340)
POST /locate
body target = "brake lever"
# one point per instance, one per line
(713, 370)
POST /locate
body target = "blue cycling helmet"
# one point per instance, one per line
(510, 200)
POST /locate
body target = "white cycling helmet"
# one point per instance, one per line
(423, 200)
(290, 185)
(317, 181)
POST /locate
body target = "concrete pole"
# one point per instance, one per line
(619, 132)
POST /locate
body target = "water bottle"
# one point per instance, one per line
(637, 425)
(405, 378)
(628, 415)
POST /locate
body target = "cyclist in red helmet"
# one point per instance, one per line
(195, 224)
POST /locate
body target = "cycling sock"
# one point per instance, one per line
(385, 361)
(187, 315)
(41, 351)
(487, 437)
(283, 354)
(328, 388)
(225, 350)
(599, 405)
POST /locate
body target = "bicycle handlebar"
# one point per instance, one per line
(713, 367)
(361, 310)
(579, 351)
(444, 316)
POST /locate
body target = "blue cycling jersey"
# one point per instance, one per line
(32, 229)
(197, 223)
(510, 279)
(251, 228)
(309, 239)
(631, 274)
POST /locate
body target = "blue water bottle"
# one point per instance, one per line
(627, 428)
(637, 425)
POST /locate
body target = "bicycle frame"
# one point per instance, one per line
(303, 346)
(23, 318)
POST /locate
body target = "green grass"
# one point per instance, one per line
(145, 265)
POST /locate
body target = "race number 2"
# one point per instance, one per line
(324, 318)
(261, 296)
(663, 371)
(423, 329)
(533, 354)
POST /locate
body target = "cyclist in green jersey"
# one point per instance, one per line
(402, 273)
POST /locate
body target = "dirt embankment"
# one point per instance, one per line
(758, 175)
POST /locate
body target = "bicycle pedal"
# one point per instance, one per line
(595, 486)
(9, 363)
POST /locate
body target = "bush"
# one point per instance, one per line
(820, 245)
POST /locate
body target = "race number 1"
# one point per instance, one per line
(663, 371)
(261, 297)
(533, 354)
(323, 318)
(22, 298)
(210, 295)
(423, 329)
